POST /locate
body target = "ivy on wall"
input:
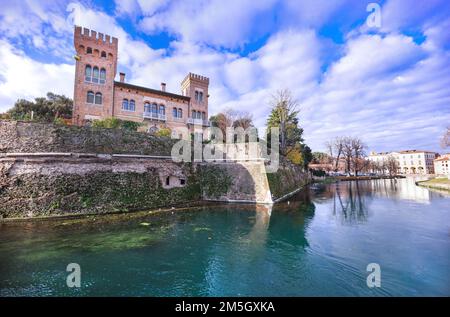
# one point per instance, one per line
(214, 181)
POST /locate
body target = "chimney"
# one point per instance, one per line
(163, 86)
(122, 77)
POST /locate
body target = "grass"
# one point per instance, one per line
(438, 181)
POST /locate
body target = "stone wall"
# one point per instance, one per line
(238, 181)
(47, 186)
(288, 178)
(30, 137)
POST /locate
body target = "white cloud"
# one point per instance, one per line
(385, 88)
(23, 77)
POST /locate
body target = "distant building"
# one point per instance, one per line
(97, 95)
(441, 165)
(416, 162)
(409, 162)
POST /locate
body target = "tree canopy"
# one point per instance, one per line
(45, 109)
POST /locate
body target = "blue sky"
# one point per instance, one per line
(389, 84)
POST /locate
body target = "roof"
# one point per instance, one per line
(150, 90)
(445, 157)
(414, 151)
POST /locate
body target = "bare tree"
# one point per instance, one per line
(243, 120)
(445, 141)
(358, 149)
(336, 147)
(392, 165)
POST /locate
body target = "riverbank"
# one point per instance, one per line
(436, 183)
(365, 178)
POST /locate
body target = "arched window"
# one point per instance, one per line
(147, 108)
(174, 113)
(88, 73)
(90, 97)
(102, 76)
(125, 104)
(180, 113)
(194, 114)
(203, 115)
(200, 96)
(98, 98)
(196, 95)
(132, 106)
(89, 50)
(154, 108)
(95, 74)
(103, 54)
(162, 110)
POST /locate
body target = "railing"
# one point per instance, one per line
(155, 116)
(202, 122)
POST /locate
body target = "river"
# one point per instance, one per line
(318, 243)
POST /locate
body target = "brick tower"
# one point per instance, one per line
(95, 70)
(196, 87)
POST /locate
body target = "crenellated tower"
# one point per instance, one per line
(196, 87)
(95, 70)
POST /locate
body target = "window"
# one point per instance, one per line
(203, 115)
(154, 108)
(95, 75)
(88, 73)
(125, 104)
(147, 108)
(182, 181)
(200, 96)
(194, 114)
(174, 113)
(98, 98)
(196, 95)
(103, 54)
(102, 76)
(90, 97)
(162, 110)
(167, 180)
(180, 113)
(131, 105)
(89, 50)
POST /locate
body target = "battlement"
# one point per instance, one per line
(94, 36)
(193, 76)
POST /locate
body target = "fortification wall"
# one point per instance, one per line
(54, 185)
(31, 137)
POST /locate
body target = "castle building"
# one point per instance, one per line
(97, 95)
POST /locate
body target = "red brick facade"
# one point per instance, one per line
(98, 96)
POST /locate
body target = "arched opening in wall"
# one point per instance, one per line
(90, 97)
(103, 54)
(88, 73)
(110, 56)
(98, 98)
(95, 74)
(168, 181)
(89, 50)
(81, 48)
(96, 52)
(102, 76)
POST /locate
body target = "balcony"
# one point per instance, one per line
(154, 116)
(202, 122)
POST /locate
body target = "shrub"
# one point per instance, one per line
(114, 123)
(164, 132)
